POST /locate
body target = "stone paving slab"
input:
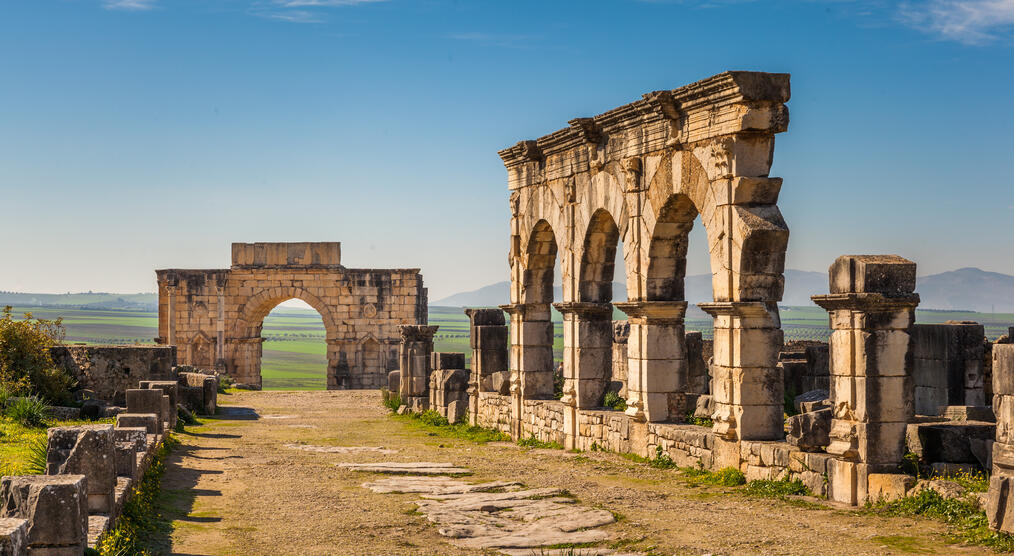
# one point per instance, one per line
(417, 468)
(341, 449)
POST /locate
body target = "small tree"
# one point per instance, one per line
(26, 366)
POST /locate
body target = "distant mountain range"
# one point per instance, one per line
(969, 289)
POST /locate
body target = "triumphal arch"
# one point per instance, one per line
(643, 173)
(214, 317)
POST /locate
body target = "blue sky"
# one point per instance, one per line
(143, 134)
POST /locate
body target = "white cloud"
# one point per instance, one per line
(966, 21)
(130, 5)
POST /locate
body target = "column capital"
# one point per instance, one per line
(417, 332)
(866, 302)
(654, 310)
(586, 309)
(528, 311)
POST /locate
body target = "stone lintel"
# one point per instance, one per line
(866, 302)
(639, 311)
(586, 309)
(743, 309)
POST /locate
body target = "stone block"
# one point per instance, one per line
(705, 407)
(192, 397)
(842, 481)
(148, 421)
(811, 401)
(13, 536)
(87, 450)
(126, 459)
(55, 506)
(887, 487)
(962, 413)
(447, 360)
(999, 503)
(168, 387)
(168, 413)
(810, 431)
(146, 401)
(889, 275)
(393, 381)
(950, 442)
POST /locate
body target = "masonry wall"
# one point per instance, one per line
(110, 371)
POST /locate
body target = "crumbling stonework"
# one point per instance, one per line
(109, 371)
(215, 316)
(488, 340)
(415, 354)
(804, 367)
(1000, 499)
(643, 172)
(448, 386)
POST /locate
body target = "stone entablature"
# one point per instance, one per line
(215, 317)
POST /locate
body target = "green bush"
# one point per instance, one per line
(29, 411)
(392, 400)
(776, 489)
(433, 418)
(691, 419)
(614, 401)
(727, 476)
(224, 383)
(969, 522)
(26, 366)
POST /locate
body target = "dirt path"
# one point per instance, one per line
(238, 489)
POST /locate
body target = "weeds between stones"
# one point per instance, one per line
(434, 423)
(969, 524)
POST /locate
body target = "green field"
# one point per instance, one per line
(295, 354)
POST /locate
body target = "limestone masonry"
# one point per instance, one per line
(214, 317)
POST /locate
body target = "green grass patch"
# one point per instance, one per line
(433, 422)
(613, 400)
(973, 481)
(532, 442)
(392, 400)
(727, 476)
(776, 489)
(967, 522)
(691, 419)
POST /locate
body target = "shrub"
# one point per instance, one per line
(33, 460)
(727, 476)
(776, 489)
(433, 418)
(692, 419)
(30, 411)
(614, 401)
(224, 383)
(26, 366)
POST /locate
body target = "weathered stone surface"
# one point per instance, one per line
(126, 459)
(810, 431)
(705, 407)
(812, 400)
(210, 314)
(87, 450)
(948, 365)
(13, 536)
(65, 413)
(947, 489)
(947, 442)
(886, 487)
(109, 371)
(148, 421)
(199, 392)
(56, 507)
(342, 449)
(435, 485)
(142, 401)
(415, 468)
(393, 381)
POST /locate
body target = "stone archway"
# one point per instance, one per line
(222, 311)
(643, 172)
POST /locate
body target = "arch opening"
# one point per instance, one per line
(598, 259)
(294, 354)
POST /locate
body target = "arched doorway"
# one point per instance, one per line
(294, 350)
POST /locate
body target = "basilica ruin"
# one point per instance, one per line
(214, 317)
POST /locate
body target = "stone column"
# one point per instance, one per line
(872, 309)
(414, 357)
(531, 357)
(587, 352)
(747, 383)
(621, 365)
(657, 356)
(1000, 498)
(488, 338)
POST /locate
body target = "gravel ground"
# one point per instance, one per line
(237, 488)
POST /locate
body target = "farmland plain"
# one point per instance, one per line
(295, 357)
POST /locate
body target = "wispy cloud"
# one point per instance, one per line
(302, 11)
(965, 21)
(494, 39)
(129, 5)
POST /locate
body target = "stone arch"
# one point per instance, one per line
(598, 256)
(538, 264)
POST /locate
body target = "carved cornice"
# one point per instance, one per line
(866, 302)
(735, 87)
(654, 310)
(586, 309)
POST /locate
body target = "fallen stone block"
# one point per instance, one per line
(705, 407)
(887, 487)
(55, 506)
(148, 421)
(13, 536)
(811, 401)
(810, 431)
(87, 450)
(414, 468)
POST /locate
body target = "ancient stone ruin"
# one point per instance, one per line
(214, 317)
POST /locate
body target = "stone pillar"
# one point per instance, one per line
(56, 508)
(87, 450)
(488, 338)
(414, 358)
(587, 352)
(13, 536)
(146, 401)
(621, 366)
(531, 357)
(747, 383)
(1000, 498)
(872, 309)
(657, 355)
(168, 388)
